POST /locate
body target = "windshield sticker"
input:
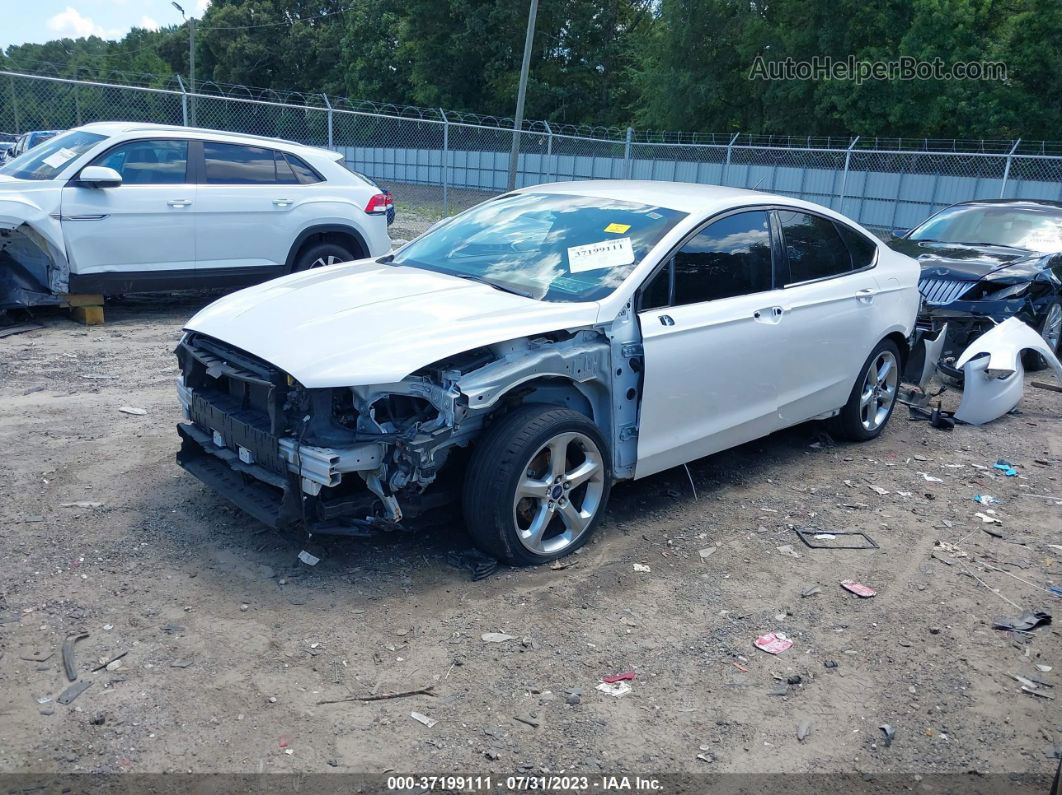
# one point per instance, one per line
(618, 229)
(606, 254)
(59, 159)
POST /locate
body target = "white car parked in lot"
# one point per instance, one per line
(118, 207)
(526, 354)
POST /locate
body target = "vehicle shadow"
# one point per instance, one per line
(416, 558)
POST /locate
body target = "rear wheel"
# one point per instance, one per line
(537, 485)
(320, 255)
(873, 397)
(1050, 329)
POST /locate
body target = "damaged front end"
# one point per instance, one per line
(336, 460)
(32, 271)
(969, 307)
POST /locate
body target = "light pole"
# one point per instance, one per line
(191, 55)
(521, 93)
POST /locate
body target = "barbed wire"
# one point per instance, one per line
(321, 100)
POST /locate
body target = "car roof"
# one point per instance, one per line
(688, 197)
(111, 128)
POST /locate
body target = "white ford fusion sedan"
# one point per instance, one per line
(522, 357)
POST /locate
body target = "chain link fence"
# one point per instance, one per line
(438, 162)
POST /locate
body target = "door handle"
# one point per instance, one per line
(282, 202)
(179, 202)
(866, 295)
(771, 314)
(666, 320)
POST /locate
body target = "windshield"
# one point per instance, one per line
(1032, 228)
(553, 247)
(48, 159)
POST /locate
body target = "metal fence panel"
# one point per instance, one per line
(439, 162)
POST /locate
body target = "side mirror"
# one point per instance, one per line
(898, 233)
(100, 177)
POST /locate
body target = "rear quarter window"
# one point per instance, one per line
(862, 248)
(305, 174)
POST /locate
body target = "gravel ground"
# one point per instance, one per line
(231, 645)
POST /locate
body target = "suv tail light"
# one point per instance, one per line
(378, 204)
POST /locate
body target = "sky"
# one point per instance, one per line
(43, 20)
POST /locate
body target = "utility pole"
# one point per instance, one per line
(191, 56)
(521, 94)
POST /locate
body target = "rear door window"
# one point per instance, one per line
(238, 164)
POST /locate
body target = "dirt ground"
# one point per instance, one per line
(230, 644)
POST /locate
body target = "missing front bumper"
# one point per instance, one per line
(277, 501)
(270, 498)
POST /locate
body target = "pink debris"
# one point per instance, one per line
(772, 643)
(860, 590)
(624, 677)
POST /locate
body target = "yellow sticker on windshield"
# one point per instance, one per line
(618, 229)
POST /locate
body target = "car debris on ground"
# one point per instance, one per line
(617, 689)
(72, 692)
(773, 643)
(860, 590)
(420, 717)
(836, 539)
(1026, 622)
(69, 665)
(479, 564)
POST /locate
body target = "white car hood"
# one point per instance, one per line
(365, 323)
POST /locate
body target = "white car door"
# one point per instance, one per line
(829, 314)
(244, 215)
(140, 233)
(712, 342)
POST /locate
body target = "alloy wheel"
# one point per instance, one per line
(559, 493)
(320, 262)
(879, 390)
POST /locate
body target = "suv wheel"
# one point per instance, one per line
(537, 484)
(873, 397)
(321, 254)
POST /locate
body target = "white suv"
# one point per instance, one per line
(117, 207)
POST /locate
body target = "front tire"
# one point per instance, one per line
(537, 484)
(873, 397)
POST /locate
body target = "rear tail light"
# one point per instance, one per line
(378, 204)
